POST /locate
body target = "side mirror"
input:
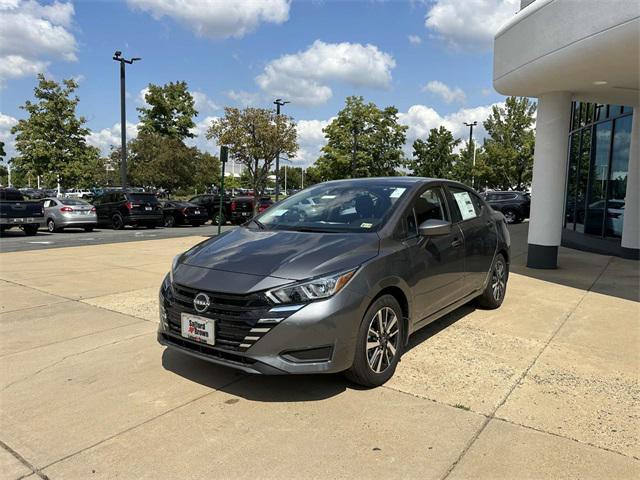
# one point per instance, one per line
(433, 227)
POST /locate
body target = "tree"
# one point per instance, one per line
(435, 157)
(254, 137)
(52, 140)
(2, 152)
(4, 175)
(509, 147)
(462, 169)
(170, 112)
(362, 141)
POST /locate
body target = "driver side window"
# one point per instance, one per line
(428, 206)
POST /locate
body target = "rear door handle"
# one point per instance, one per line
(456, 243)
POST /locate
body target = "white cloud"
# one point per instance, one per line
(217, 18)
(200, 140)
(110, 137)
(310, 141)
(203, 103)
(302, 77)
(6, 122)
(471, 24)
(243, 98)
(32, 34)
(414, 39)
(445, 92)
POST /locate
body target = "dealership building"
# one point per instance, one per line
(581, 60)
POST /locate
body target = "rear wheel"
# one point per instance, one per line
(88, 229)
(30, 229)
(196, 224)
(169, 221)
(510, 216)
(380, 341)
(116, 222)
(151, 226)
(496, 288)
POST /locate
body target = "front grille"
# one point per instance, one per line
(240, 320)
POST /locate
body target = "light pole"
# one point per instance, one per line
(471, 125)
(279, 103)
(117, 56)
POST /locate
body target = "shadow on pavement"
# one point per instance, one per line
(261, 388)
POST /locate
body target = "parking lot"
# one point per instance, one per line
(545, 387)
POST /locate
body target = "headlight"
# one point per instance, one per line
(174, 264)
(310, 290)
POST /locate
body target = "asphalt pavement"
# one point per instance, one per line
(16, 241)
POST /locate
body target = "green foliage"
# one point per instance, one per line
(435, 157)
(2, 152)
(362, 141)
(509, 148)
(165, 162)
(294, 177)
(52, 140)
(462, 170)
(4, 175)
(170, 112)
(254, 137)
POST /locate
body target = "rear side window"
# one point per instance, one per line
(467, 204)
(143, 198)
(11, 195)
(73, 201)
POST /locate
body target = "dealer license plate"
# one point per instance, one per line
(197, 212)
(198, 328)
(148, 208)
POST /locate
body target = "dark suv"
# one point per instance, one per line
(513, 205)
(212, 204)
(118, 209)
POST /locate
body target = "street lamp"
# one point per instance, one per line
(471, 125)
(117, 56)
(278, 103)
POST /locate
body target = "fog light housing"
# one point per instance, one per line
(308, 355)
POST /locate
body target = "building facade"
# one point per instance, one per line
(581, 60)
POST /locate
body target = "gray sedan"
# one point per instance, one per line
(61, 213)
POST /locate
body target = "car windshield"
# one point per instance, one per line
(73, 201)
(334, 208)
(143, 197)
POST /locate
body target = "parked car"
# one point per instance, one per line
(182, 213)
(61, 213)
(212, 205)
(514, 206)
(264, 203)
(119, 208)
(285, 294)
(78, 193)
(15, 211)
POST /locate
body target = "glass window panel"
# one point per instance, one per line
(614, 110)
(600, 112)
(618, 182)
(583, 175)
(572, 180)
(598, 179)
(627, 110)
(587, 114)
(575, 122)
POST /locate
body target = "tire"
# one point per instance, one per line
(30, 230)
(51, 226)
(151, 226)
(88, 229)
(218, 219)
(117, 223)
(372, 366)
(496, 288)
(169, 221)
(196, 224)
(510, 216)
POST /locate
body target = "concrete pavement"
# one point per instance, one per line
(545, 387)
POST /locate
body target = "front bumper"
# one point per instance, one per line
(326, 328)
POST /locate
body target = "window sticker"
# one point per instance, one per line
(279, 212)
(397, 192)
(463, 199)
(366, 225)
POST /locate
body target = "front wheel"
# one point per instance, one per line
(51, 225)
(510, 216)
(117, 223)
(219, 219)
(169, 221)
(496, 288)
(88, 229)
(380, 342)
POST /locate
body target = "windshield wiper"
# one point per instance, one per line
(309, 229)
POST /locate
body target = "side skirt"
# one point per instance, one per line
(443, 311)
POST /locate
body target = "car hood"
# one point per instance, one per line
(283, 254)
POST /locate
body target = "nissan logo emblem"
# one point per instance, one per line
(201, 302)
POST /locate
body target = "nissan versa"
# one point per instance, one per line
(336, 277)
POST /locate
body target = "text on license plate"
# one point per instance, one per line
(198, 328)
(147, 208)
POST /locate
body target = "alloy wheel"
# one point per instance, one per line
(510, 216)
(51, 226)
(498, 280)
(382, 340)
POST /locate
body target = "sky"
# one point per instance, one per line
(430, 59)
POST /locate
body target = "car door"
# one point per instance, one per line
(480, 237)
(437, 263)
(101, 207)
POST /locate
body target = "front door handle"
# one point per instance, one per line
(456, 243)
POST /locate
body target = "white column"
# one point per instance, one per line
(549, 179)
(631, 225)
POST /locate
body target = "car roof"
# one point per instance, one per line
(402, 180)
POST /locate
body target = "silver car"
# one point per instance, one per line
(61, 213)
